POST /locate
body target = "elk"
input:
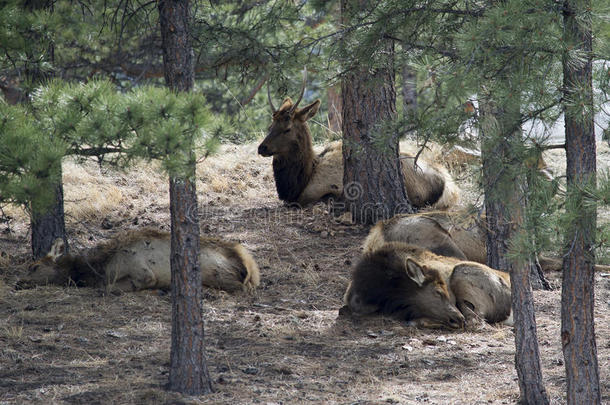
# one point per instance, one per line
(303, 177)
(139, 260)
(428, 290)
(457, 234)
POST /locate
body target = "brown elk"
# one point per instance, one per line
(302, 177)
(139, 260)
(456, 234)
(425, 289)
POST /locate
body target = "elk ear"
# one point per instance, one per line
(286, 104)
(308, 112)
(415, 272)
(58, 248)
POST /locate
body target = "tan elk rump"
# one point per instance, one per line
(456, 234)
(303, 177)
(139, 260)
(420, 287)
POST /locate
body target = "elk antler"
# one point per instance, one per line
(273, 109)
(294, 107)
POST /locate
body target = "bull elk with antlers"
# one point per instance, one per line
(303, 177)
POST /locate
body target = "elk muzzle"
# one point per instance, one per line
(263, 150)
(456, 320)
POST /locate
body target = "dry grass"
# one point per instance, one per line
(284, 344)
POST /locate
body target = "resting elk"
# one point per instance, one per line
(456, 234)
(425, 289)
(139, 260)
(303, 177)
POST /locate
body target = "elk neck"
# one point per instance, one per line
(292, 171)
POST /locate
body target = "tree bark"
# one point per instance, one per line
(188, 370)
(48, 224)
(373, 184)
(505, 194)
(577, 293)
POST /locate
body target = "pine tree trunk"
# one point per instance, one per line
(577, 293)
(504, 207)
(49, 224)
(188, 370)
(373, 185)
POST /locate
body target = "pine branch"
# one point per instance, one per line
(96, 151)
(255, 90)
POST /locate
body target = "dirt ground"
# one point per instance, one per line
(283, 345)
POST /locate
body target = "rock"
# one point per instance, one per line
(116, 334)
(106, 224)
(250, 370)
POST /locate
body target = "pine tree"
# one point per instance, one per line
(577, 292)
(35, 46)
(188, 369)
(26, 172)
(505, 194)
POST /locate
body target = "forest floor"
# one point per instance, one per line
(285, 344)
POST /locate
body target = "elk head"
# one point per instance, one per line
(431, 298)
(288, 131)
(46, 270)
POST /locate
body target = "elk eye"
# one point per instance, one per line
(286, 131)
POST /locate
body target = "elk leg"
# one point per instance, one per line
(426, 323)
(141, 278)
(468, 310)
(123, 285)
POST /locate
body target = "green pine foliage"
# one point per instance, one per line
(65, 40)
(82, 116)
(24, 39)
(148, 122)
(238, 44)
(169, 127)
(96, 120)
(28, 159)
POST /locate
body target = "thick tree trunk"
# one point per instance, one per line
(188, 370)
(505, 194)
(373, 185)
(48, 224)
(577, 293)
